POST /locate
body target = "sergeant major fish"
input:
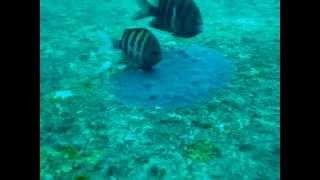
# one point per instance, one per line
(141, 47)
(180, 17)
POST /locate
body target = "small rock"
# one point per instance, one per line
(66, 169)
(221, 127)
(171, 43)
(157, 172)
(63, 94)
(105, 66)
(93, 56)
(253, 72)
(122, 67)
(157, 107)
(73, 66)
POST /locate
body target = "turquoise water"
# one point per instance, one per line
(91, 128)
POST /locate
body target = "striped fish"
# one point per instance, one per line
(141, 48)
(180, 17)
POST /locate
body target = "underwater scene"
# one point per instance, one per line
(159, 89)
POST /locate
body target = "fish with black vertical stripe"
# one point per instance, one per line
(180, 17)
(141, 48)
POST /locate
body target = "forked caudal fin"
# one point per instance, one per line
(107, 42)
(147, 9)
(116, 44)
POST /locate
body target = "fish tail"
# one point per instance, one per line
(116, 44)
(146, 10)
(108, 42)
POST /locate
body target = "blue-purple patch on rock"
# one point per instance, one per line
(183, 77)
